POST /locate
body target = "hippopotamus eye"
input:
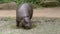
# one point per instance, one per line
(27, 16)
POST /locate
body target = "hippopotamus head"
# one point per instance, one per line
(27, 23)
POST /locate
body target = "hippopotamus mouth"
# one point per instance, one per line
(26, 23)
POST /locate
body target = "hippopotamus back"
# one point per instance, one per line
(24, 10)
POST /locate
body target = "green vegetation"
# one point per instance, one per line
(5, 1)
(59, 0)
(0, 32)
(35, 3)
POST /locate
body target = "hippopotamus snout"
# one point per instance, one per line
(24, 12)
(27, 23)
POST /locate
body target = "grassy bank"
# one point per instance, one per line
(35, 3)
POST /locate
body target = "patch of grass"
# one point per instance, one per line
(11, 33)
(49, 19)
(7, 18)
(0, 32)
(46, 19)
(34, 25)
(40, 25)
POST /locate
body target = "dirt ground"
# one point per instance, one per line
(42, 20)
(41, 12)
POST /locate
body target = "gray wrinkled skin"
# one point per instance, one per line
(24, 12)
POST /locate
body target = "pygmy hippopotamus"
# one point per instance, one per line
(24, 13)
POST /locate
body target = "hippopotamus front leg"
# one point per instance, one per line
(18, 21)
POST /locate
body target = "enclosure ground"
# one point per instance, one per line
(45, 21)
(41, 25)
